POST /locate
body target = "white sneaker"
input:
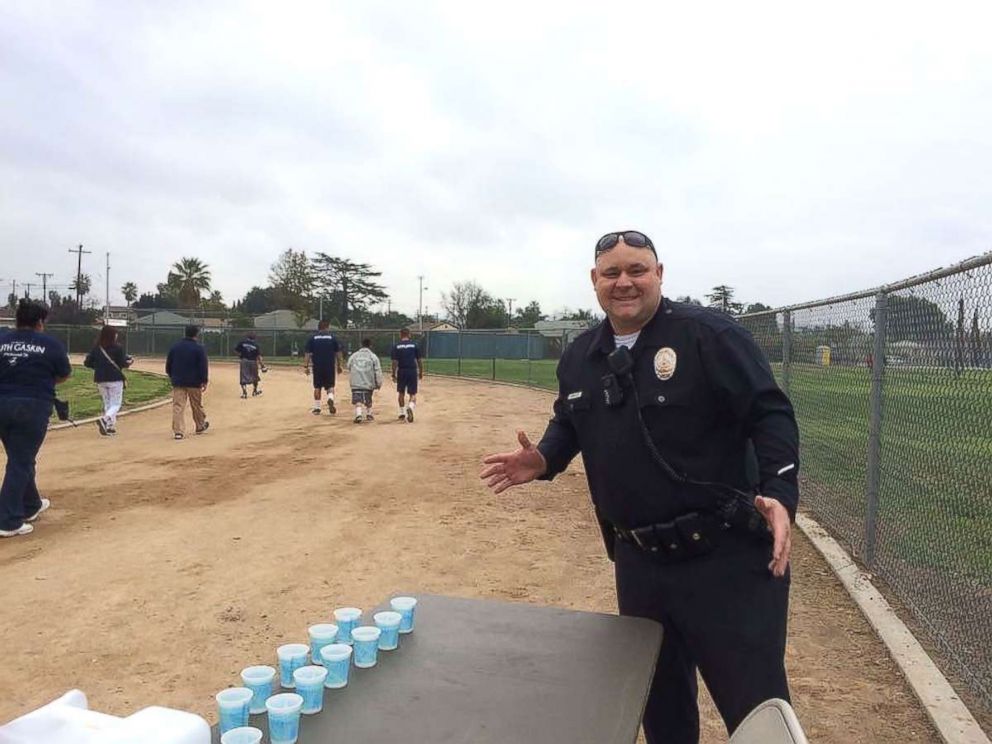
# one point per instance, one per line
(45, 503)
(25, 529)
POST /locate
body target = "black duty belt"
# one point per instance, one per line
(687, 536)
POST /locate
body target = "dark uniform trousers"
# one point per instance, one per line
(23, 426)
(725, 614)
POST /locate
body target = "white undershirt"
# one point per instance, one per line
(627, 340)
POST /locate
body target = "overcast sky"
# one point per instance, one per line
(792, 151)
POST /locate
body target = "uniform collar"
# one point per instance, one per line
(603, 337)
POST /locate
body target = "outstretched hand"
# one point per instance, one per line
(508, 469)
(777, 517)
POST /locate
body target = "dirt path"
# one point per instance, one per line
(165, 567)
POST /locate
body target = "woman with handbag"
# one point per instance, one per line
(108, 361)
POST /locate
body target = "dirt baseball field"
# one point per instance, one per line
(165, 567)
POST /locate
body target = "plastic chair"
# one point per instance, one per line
(772, 722)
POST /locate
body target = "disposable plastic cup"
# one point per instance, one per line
(347, 619)
(337, 662)
(406, 606)
(242, 735)
(233, 704)
(258, 679)
(366, 639)
(389, 624)
(322, 634)
(284, 717)
(310, 686)
(291, 657)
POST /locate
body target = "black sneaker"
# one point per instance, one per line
(112, 431)
(255, 393)
(402, 417)
(409, 415)
(370, 417)
(243, 395)
(177, 436)
(330, 407)
(315, 410)
(358, 419)
(206, 425)
(102, 426)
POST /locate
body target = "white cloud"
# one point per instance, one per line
(787, 149)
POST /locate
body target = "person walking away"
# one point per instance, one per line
(324, 352)
(187, 368)
(251, 360)
(406, 369)
(108, 362)
(32, 363)
(365, 375)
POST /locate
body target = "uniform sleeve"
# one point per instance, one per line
(560, 443)
(416, 351)
(394, 354)
(89, 361)
(204, 366)
(378, 371)
(309, 347)
(120, 357)
(738, 370)
(239, 348)
(168, 363)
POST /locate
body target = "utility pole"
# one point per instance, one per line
(79, 272)
(27, 291)
(509, 312)
(44, 285)
(420, 304)
(13, 290)
(106, 307)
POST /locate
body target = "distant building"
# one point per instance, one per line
(569, 329)
(162, 318)
(283, 320)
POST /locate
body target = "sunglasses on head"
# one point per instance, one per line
(630, 237)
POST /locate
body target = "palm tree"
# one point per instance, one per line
(189, 276)
(130, 292)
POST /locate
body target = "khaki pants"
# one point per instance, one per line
(179, 397)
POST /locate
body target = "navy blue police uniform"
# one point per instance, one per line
(405, 354)
(30, 363)
(674, 450)
(323, 348)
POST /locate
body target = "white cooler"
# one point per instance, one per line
(69, 720)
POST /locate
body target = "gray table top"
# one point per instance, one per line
(482, 671)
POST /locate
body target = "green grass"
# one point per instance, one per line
(84, 398)
(536, 372)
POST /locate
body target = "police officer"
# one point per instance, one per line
(31, 365)
(691, 454)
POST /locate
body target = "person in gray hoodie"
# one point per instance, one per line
(365, 374)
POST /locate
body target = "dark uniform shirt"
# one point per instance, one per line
(323, 348)
(30, 362)
(406, 354)
(248, 349)
(104, 369)
(707, 395)
(186, 364)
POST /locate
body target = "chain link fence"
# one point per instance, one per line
(893, 394)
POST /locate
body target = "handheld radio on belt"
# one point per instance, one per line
(734, 508)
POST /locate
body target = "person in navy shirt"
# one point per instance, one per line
(186, 366)
(407, 370)
(31, 365)
(323, 351)
(251, 359)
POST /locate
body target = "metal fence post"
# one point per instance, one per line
(875, 428)
(459, 353)
(786, 350)
(494, 366)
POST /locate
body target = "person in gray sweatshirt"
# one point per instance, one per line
(365, 375)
